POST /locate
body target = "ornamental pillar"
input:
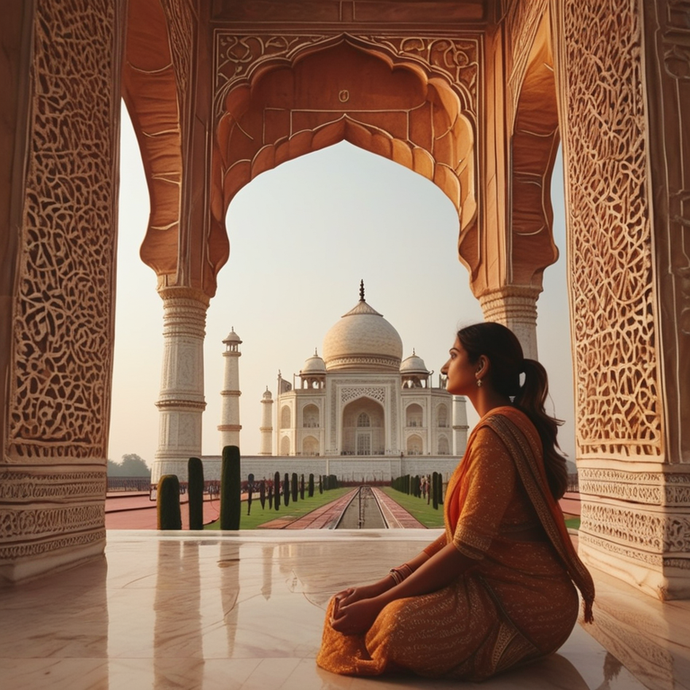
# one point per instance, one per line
(515, 307)
(58, 226)
(181, 401)
(623, 83)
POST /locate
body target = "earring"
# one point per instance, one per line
(479, 383)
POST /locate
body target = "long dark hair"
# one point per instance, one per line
(501, 346)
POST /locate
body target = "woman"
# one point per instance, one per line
(496, 590)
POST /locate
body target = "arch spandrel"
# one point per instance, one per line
(291, 97)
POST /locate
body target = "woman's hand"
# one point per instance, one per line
(357, 617)
(353, 594)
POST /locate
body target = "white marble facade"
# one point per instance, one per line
(362, 400)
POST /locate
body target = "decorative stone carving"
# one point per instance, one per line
(611, 263)
(654, 488)
(375, 393)
(20, 486)
(13, 552)
(238, 57)
(63, 313)
(658, 533)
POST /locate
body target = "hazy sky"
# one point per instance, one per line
(301, 238)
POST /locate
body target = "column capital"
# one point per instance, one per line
(183, 293)
(514, 306)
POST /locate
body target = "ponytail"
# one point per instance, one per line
(531, 398)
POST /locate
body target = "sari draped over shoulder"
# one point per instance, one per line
(518, 601)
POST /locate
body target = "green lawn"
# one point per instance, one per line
(417, 507)
(297, 509)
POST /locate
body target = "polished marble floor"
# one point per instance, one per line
(231, 611)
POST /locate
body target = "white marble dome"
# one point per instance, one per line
(232, 337)
(314, 365)
(362, 340)
(413, 365)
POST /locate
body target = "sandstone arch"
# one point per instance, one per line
(404, 112)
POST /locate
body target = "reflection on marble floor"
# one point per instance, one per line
(230, 612)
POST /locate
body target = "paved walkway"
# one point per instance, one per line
(137, 511)
(324, 517)
(395, 515)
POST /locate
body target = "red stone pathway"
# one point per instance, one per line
(324, 517)
(396, 516)
(137, 511)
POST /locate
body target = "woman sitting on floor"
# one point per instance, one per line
(496, 590)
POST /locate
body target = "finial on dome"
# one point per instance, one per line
(361, 291)
(413, 352)
(316, 352)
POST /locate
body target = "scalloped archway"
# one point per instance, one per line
(345, 91)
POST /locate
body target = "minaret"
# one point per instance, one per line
(230, 426)
(266, 427)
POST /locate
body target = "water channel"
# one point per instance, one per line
(362, 512)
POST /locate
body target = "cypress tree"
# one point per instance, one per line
(294, 486)
(195, 473)
(286, 490)
(262, 494)
(168, 502)
(276, 489)
(230, 487)
(311, 484)
(301, 487)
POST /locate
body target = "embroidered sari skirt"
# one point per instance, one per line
(462, 631)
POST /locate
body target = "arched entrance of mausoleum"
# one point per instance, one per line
(363, 428)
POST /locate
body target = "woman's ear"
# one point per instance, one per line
(483, 366)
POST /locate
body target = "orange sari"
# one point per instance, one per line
(516, 604)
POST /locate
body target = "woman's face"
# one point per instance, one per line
(460, 371)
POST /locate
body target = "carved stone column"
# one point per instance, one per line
(515, 307)
(181, 402)
(624, 82)
(58, 219)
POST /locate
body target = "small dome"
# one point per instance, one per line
(232, 337)
(314, 365)
(267, 395)
(413, 365)
(362, 339)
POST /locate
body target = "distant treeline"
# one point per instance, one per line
(131, 465)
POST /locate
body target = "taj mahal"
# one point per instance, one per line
(361, 411)
(477, 97)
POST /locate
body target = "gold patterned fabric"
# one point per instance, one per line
(516, 604)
